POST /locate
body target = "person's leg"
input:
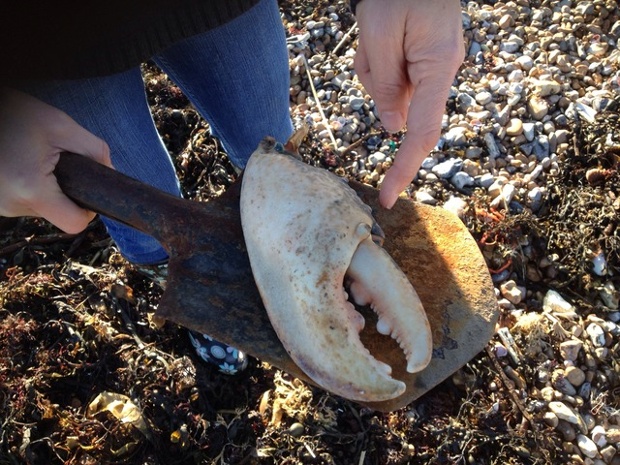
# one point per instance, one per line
(115, 108)
(237, 77)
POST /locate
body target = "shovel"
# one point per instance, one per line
(211, 289)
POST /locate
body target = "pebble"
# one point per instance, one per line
(296, 430)
(535, 198)
(612, 434)
(425, 197)
(448, 168)
(456, 136)
(491, 145)
(587, 446)
(564, 412)
(515, 127)
(575, 375)
(376, 157)
(486, 180)
(551, 419)
(554, 302)
(608, 453)
(461, 180)
(569, 350)
(456, 205)
(599, 436)
(529, 131)
(538, 107)
(484, 97)
(512, 292)
(596, 334)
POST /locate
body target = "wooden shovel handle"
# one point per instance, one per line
(104, 190)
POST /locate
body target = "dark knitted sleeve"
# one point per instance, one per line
(69, 39)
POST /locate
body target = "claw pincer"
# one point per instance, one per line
(307, 233)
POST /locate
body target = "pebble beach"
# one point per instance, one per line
(535, 74)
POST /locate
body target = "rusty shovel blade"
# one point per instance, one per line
(211, 289)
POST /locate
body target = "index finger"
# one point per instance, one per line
(423, 130)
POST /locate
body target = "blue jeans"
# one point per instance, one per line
(236, 76)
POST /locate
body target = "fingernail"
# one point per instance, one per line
(391, 121)
(387, 198)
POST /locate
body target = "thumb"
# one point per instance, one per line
(59, 209)
(83, 142)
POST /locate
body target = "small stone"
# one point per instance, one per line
(461, 179)
(356, 103)
(448, 168)
(509, 46)
(428, 163)
(484, 97)
(529, 131)
(508, 192)
(456, 205)
(505, 21)
(515, 127)
(486, 180)
(535, 199)
(551, 419)
(566, 430)
(376, 157)
(465, 102)
(608, 453)
(425, 197)
(585, 390)
(601, 353)
(489, 140)
(613, 434)
(525, 62)
(587, 446)
(473, 153)
(569, 350)
(564, 412)
(296, 430)
(538, 107)
(554, 302)
(597, 335)
(544, 88)
(548, 394)
(598, 435)
(456, 136)
(609, 295)
(512, 292)
(516, 76)
(562, 384)
(575, 375)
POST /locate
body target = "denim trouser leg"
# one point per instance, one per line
(236, 76)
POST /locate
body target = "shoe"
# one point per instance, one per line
(227, 359)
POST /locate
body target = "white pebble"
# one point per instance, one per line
(456, 205)
(599, 436)
(554, 302)
(597, 335)
(587, 446)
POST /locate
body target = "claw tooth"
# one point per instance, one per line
(383, 327)
(386, 368)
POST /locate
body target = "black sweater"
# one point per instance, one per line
(70, 39)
